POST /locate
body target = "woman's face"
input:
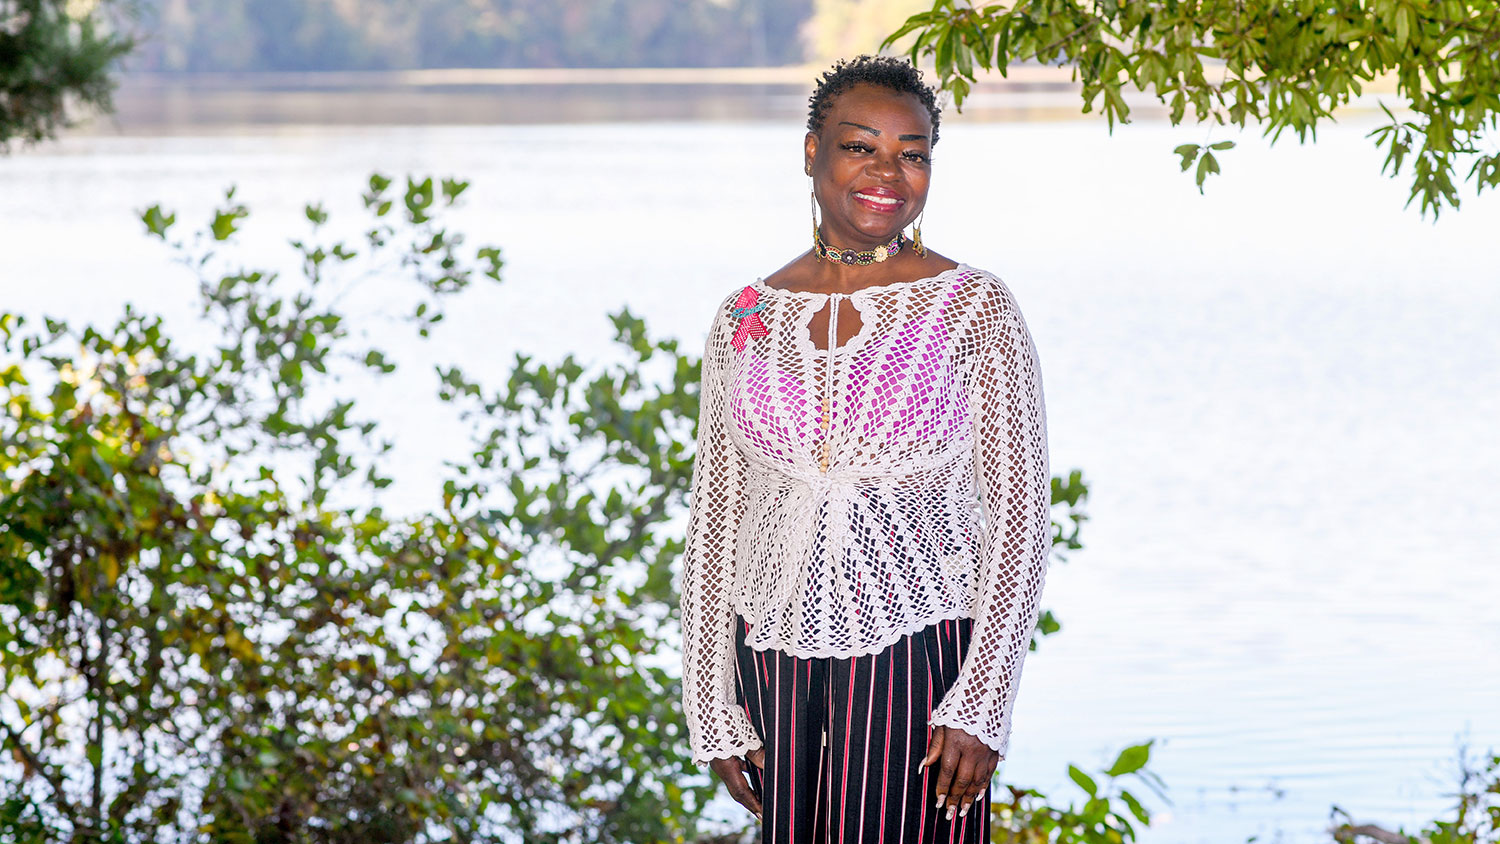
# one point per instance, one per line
(870, 165)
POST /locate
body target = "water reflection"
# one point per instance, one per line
(227, 103)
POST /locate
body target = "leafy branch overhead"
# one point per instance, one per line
(1276, 63)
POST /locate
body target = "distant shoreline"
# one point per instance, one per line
(797, 75)
(218, 103)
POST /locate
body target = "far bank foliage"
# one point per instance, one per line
(1275, 64)
(311, 35)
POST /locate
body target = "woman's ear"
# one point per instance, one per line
(809, 152)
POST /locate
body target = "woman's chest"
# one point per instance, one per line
(882, 384)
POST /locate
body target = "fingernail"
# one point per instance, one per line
(950, 813)
(759, 818)
(941, 798)
(961, 812)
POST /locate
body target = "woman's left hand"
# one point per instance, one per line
(966, 765)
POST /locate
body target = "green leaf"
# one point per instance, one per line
(1189, 153)
(1131, 759)
(452, 189)
(1222, 145)
(419, 198)
(960, 90)
(944, 53)
(156, 222)
(226, 221)
(1140, 812)
(1084, 781)
(1207, 164)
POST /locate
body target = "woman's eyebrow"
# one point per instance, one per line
(876, 132)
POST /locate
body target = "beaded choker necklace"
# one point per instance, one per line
(851, 258)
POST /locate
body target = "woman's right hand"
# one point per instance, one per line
(732, 771)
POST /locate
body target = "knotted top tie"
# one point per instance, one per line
(804, 512)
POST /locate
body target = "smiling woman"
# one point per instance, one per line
(869, 524)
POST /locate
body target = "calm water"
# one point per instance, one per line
(1283, 394)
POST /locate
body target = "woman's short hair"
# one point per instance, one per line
(892, 72)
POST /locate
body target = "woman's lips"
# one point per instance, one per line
(882, 201)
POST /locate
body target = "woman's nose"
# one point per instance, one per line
(885, 166)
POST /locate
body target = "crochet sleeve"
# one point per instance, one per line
(1014, 483)
(717, 727)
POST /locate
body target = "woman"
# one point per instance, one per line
(869, 521)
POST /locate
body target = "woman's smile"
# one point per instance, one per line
(883, 200)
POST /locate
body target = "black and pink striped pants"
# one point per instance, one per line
(845, 739)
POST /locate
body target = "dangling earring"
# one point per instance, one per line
(812, 199)
(916, 235)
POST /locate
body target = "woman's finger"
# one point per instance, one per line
(934, 747)
(965, 784)
(732, 773)
(960, 789)
(757, 757)
(984, 771)
(984, 774)
(948, 786)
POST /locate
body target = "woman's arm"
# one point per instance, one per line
(1014, 480)
(717, 727)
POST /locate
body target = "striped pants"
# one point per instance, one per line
(845, 739)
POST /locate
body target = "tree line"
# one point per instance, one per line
(314, 35)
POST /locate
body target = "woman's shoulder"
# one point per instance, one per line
(989, 290)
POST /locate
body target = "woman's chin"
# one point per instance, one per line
(875, 229)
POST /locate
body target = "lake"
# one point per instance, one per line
(1283, 393)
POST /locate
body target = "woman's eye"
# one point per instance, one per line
(857, 147)
(917, 156)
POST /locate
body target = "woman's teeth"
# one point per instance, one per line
(880, 200)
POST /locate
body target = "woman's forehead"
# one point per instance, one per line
(880, 107)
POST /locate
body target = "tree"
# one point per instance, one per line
(1280, 63)
(53, 54)
(208, 628)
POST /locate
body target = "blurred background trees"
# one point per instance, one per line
(54, 55)
(297, 35)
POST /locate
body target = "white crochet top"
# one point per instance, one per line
(842, 499)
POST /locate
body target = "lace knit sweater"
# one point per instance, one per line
(842, 499)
